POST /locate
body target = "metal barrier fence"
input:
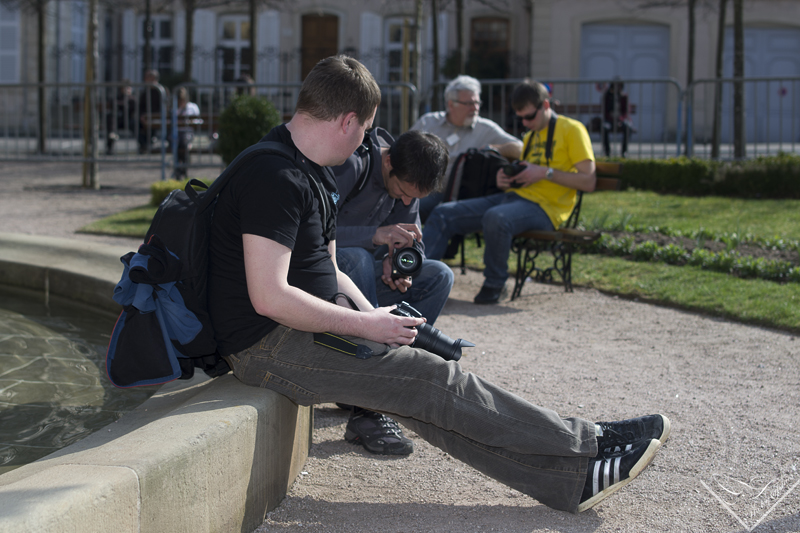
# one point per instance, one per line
(50, 122)
(397, 112)
(136, 123)
(771, 117)
(655, 109)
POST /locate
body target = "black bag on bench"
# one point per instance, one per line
(473, 175)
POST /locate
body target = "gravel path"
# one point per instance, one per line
(731, 391)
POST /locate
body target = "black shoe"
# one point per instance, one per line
(346, 407)
(609, 473)
(620, 436)
(377, 433)
(488, 295)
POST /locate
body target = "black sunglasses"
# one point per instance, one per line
(532, 115)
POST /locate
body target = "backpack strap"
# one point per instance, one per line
(263, 148)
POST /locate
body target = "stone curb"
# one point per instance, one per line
(200, 455)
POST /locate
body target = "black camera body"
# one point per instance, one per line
(407, 262)
(512, 170)
(431, 339)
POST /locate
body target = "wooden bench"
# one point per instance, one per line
(560, 243)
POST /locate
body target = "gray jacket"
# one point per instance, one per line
(359, 218)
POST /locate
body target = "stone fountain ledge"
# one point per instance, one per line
(199, 455)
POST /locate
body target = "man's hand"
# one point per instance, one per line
(397, 236)
(531, 174)
(392, 329)
(400, 284)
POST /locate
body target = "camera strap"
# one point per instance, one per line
(340, 344)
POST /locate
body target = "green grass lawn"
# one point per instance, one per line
(748, 300)
(763, 218)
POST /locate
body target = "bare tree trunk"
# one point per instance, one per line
(462, 52)
(417, 58)
(529, 8)
(435, 31)
(90, 124)
(253, 38)
(42, 21)
(188, 54)
(148, 35)
(739, 133)
(716, 134)
(690, 63)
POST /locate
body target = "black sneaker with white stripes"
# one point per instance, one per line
(623, 435)
(610, 472)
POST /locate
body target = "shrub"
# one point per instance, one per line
(243, 123)
(761, 177)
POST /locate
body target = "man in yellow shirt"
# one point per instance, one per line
(558, 161)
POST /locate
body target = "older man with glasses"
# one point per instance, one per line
(461, 128)
(558, 161)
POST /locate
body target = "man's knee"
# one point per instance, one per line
(354, 259)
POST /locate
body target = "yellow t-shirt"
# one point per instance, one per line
(571, 144)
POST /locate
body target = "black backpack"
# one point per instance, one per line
(164, 331)
(473, 174)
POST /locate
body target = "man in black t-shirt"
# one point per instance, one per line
(273, 276)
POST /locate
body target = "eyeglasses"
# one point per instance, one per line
(532, 115)
(471, 103)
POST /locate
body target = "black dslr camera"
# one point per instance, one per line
(431, 339)
(407, 262)
(512, 170)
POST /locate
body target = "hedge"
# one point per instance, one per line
(761, 177)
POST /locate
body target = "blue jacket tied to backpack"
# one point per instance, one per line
(150, 296)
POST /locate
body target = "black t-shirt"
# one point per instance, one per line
(269, 197)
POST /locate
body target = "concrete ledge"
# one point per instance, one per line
(202, 455)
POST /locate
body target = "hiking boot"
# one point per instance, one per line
(489, 295)
(610, 472)
(622, 435)
(377, 433)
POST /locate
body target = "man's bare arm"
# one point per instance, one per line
(510, 150)
(583, 180)
(266, 269)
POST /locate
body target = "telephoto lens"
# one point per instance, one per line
(407, 262)
(431, 339)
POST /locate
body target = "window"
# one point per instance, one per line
(235, 57)
(9, 45)
(161, 44)
(488, 56)
(394, 49)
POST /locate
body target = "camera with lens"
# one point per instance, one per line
(512, 170)
(407, 262)
(431, 339)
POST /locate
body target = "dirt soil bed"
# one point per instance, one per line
(715, 246)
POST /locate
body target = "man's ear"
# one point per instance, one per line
(350, 120)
